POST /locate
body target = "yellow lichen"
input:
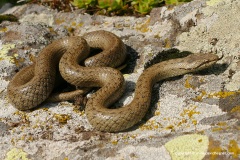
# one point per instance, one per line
(30, 138)
(59, 21)
(182, 122)
(168, 43)
(171, 127)
(194, 121)
(235, 109)
(51, 30)
(13, 141)
(190, 112)
(16, 60)
(216, 129)
(76, 110)
(32, 58)
(157, 113)
(187, 83)
(114, 142)
(4, 29)
(45, 109)
(222, 123)
(144, 27)
(220, 94)
(223, 94)
(74, 23)
(70, 29)
(24, 117)
(200, 97)
(151, 125)
(80, 25)
(234, 148)
(220, 126)
(62, 118)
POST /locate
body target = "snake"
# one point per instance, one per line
(32, 85)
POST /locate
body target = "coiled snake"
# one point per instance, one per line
(33, 85)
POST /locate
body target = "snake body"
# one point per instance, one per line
(32, 85)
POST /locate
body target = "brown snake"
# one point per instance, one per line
(33, 85)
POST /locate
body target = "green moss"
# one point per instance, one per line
(124, 6)
(176, 2)
(8, 17)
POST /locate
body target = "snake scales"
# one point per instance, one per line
(33, 85)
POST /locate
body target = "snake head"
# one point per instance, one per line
(199, 61)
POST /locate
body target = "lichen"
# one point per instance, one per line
(62, 118)
(235, 109)
(215, 150)
(200, 97)
(4, 50)
(16, 153)
(188, 147)
(151, 125)
(144, 26)
(219, 94)
(59, 21)
(223, 94)
(188, 84)
(3, 29)
(213, 2)
(190, 113)
(234, 148)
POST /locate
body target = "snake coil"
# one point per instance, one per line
(33, 84)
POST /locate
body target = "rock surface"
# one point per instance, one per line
(191, 117)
